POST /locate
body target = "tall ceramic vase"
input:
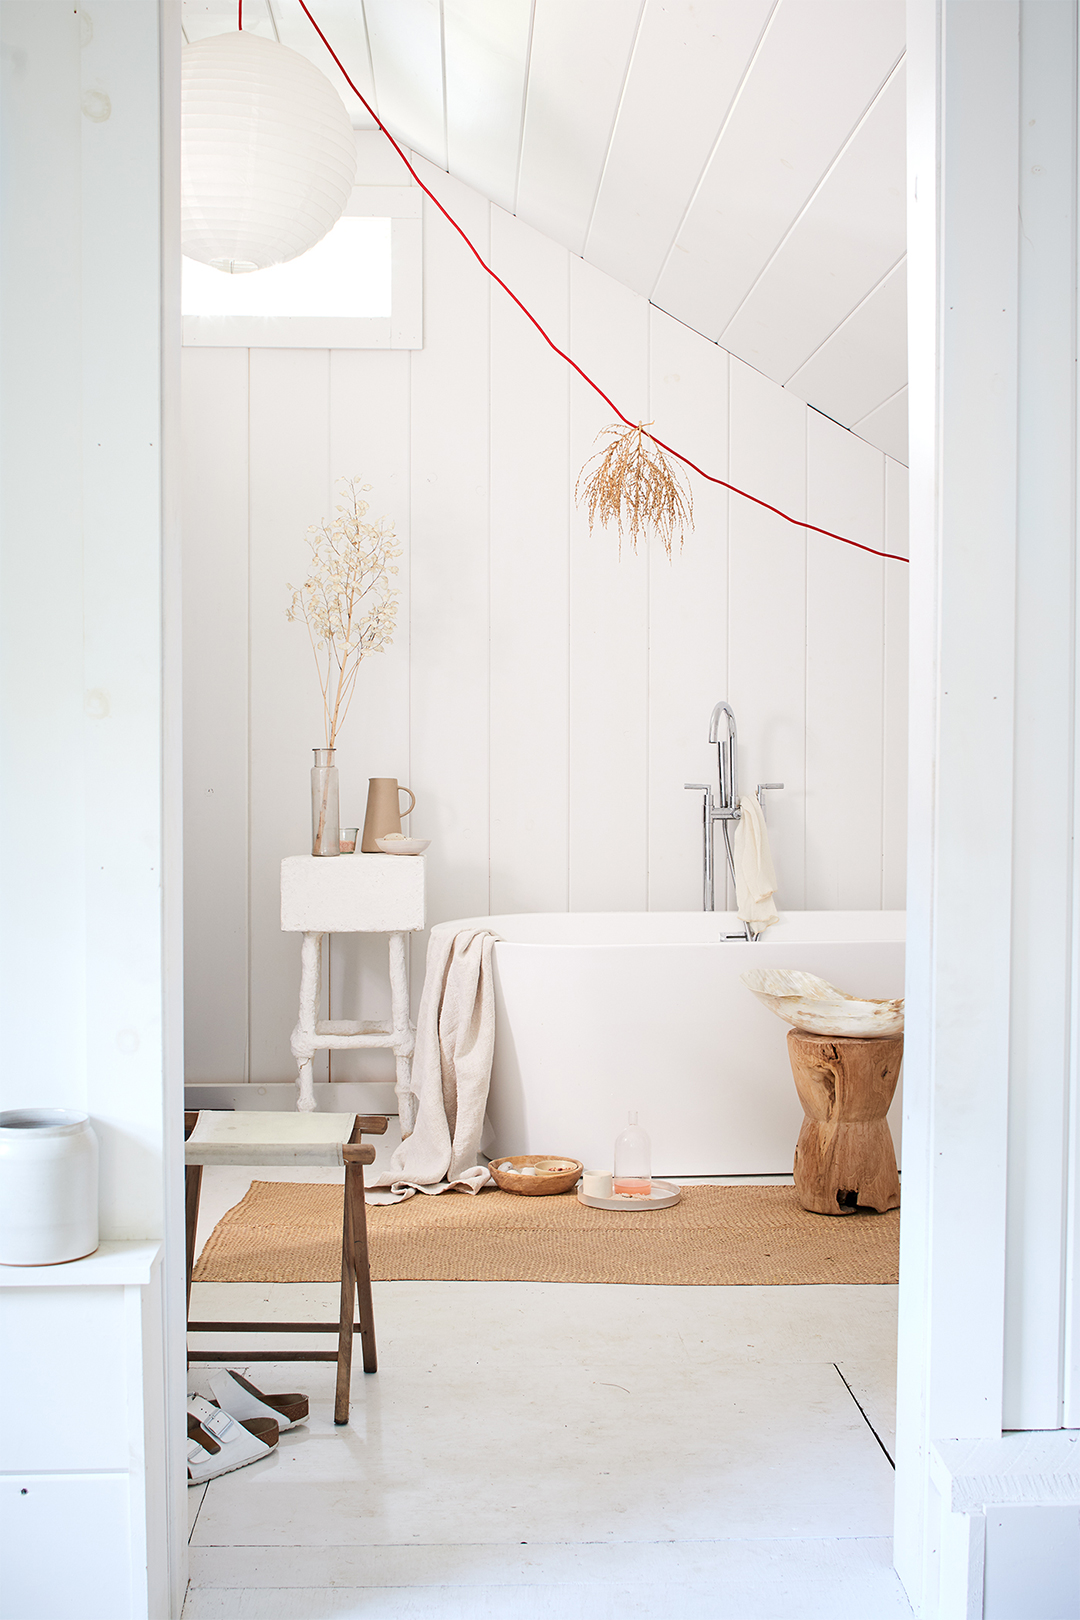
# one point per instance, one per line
(325, 816)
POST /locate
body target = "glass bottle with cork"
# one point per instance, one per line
(633, 1162)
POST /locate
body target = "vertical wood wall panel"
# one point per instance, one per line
(766, 673)
(530, 515)
(687, 611)
(290, 478)
(215, 608)
(545, 699)
(369, 439)
(844, 633)
(608, 618)
(449, 562)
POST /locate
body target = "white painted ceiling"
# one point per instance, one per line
(739, 162)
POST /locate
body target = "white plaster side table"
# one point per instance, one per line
(351, 894)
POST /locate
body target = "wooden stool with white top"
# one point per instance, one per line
(351, 894)
(249, 1137)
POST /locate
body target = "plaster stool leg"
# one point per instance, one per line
(303, 1036)
(845, 1154)
(403, 1033)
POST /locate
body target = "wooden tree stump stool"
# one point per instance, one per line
(845, 1153)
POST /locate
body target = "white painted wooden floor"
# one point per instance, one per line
(561, 1451)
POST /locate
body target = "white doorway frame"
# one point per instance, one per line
(987, 1312)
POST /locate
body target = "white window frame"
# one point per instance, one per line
(403, 328)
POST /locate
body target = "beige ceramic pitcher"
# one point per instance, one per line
(383, 811)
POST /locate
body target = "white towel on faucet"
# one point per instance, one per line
(755, 878)
(443, 1111)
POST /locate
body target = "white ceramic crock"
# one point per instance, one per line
(48, 1187)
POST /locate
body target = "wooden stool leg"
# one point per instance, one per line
(355, 1272)
(192, 1189)
(348, 1311)
(354, 1193)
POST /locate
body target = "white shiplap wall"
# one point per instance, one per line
(544, 698)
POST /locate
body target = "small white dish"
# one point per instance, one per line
(663, 1195)
(403, 846)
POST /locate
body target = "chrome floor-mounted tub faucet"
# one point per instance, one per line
(725, 807)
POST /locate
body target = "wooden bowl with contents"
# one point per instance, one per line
(544, 1174)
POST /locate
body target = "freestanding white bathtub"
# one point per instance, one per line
(599, 1013)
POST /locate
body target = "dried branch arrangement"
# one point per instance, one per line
(635, 486)
(347, 601)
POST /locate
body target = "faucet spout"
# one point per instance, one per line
(714, 721)
(727, 748)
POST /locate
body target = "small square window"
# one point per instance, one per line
(361, 287)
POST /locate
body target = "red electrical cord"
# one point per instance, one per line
(799, 523)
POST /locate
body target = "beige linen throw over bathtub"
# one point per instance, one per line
(443, 1112)
(755, 877)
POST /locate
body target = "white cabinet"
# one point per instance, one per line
(82, 1457)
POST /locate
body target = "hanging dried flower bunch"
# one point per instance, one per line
(347, 600)
(634, 485)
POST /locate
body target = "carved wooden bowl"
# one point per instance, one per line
(558, 1174)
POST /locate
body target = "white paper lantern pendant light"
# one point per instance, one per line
(268, 153)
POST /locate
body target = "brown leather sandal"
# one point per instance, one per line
(219, 1443)
(240, 1398)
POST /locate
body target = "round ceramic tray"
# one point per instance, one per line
(663, 1195)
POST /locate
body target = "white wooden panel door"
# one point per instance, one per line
(63, 1348)
(91, 1574)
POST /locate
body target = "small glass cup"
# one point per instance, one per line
(347, 837)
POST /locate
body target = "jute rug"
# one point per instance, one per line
(291, 1232)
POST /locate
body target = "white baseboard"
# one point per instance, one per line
(1010, 1525)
